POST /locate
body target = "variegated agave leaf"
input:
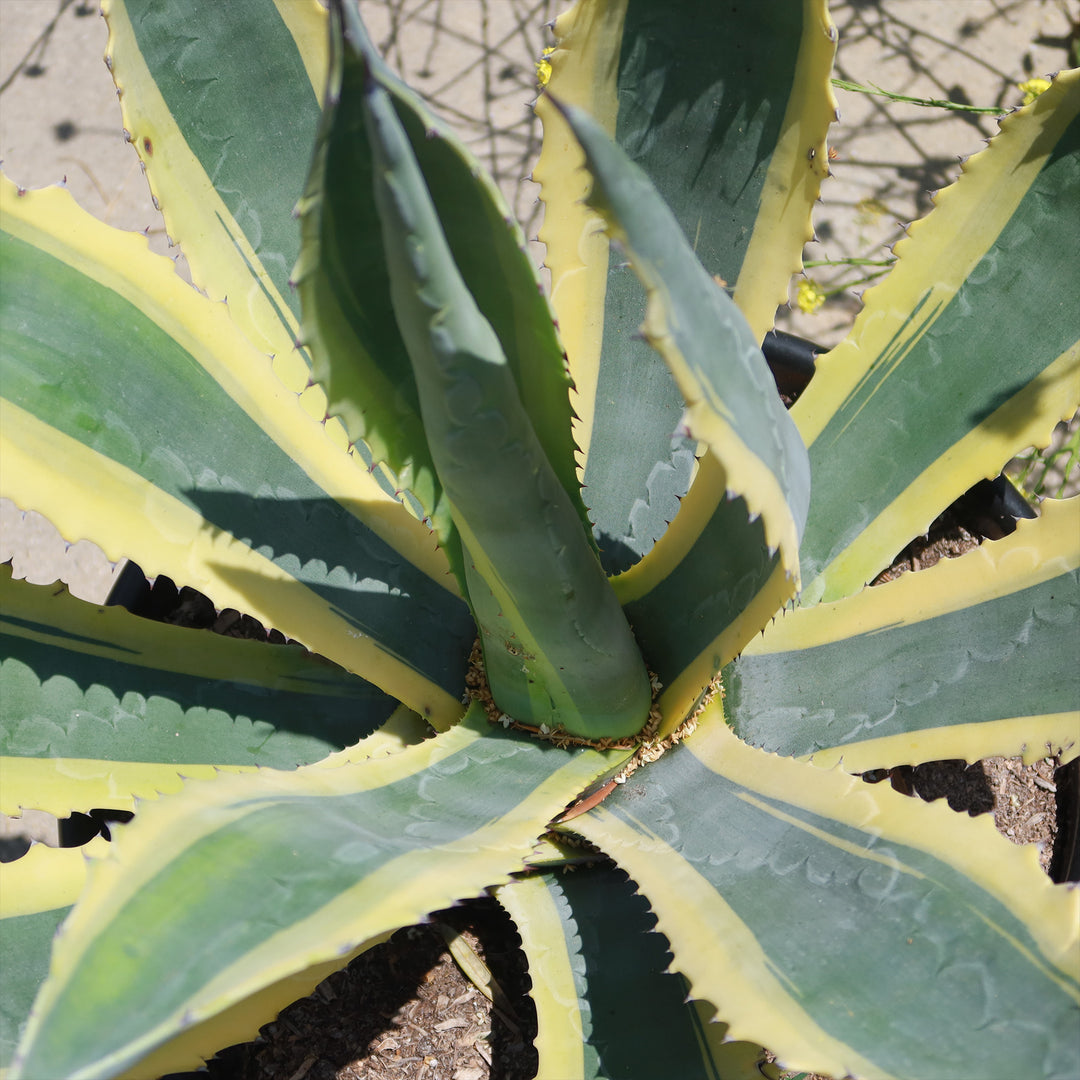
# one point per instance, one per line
(290, 810)
(726, 109)
(961, 292)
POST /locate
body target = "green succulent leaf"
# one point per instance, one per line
(725, 108)
(693, 609)
(968, 659)
(731, 400)
(239, 493)
(759, 868)
(288, 815)
(358, 353)
(733, 410)
(595, 964)
(557, 646)
(907, 414)
(25, 944)
(226, 145)
(101, 709)
(89, 683)
(274, 873)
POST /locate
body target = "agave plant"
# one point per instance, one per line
(416, 456)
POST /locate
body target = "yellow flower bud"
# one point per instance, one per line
(810, 296)
(543, 68)
(1033, 88)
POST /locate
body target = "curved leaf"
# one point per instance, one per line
(226, 145)
(725, 108)
(242, 881)
(717, 550)
(731, 401)
(967, 659)
(698, 597)
(557, 647)
(82, 681)
(908, 412)
(766, 872)
(594, 961)
(240, 493)
(37, 890)
(343, 280)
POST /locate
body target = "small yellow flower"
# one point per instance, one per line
(810, 297)
(1033, 88)
(543, 67)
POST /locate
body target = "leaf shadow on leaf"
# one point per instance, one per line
(1001, 397)
(622, 959)
(657, 92)
(615, 554)
(117, 707)
(706, 142)
(358, 574)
